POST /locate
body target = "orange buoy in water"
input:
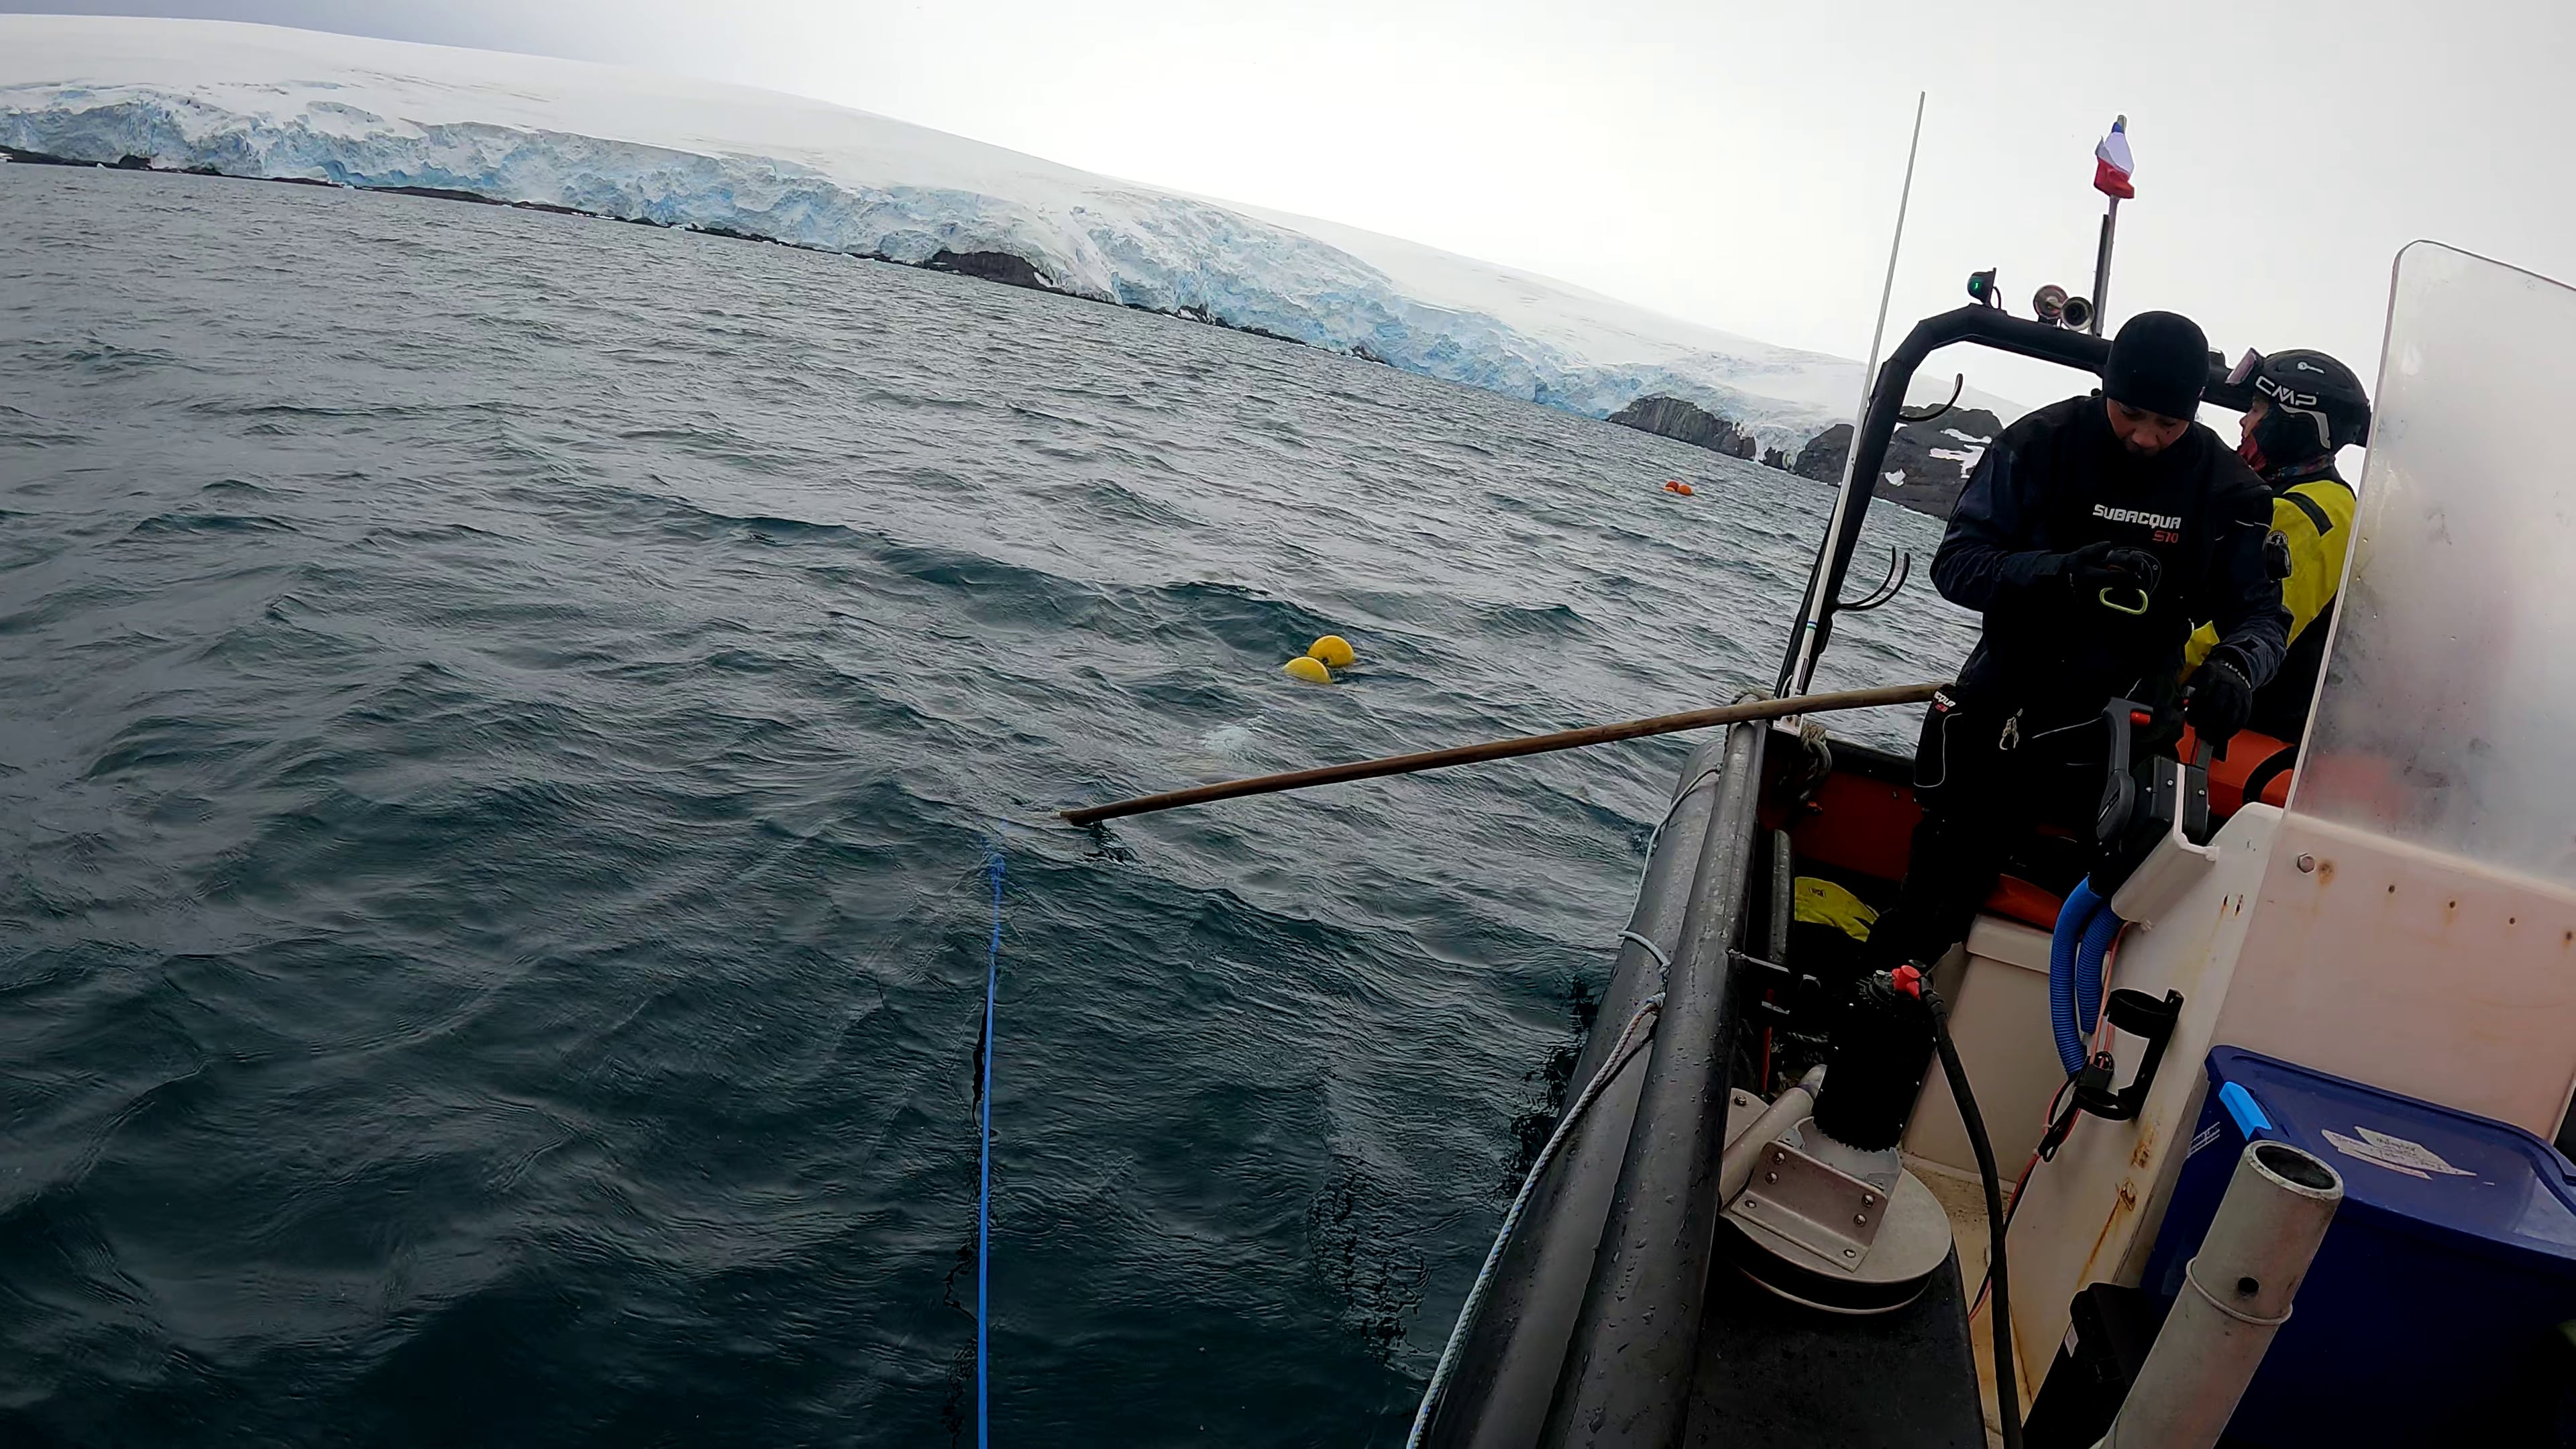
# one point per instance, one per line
(1678, 486)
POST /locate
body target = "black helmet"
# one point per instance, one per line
(2317, 406)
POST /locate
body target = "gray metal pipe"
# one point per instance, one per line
(1508, 1368)
(2236, 1295)
(1627, 1371)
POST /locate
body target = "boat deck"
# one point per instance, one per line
(1774, 1373)
(1778, 1375)
(1964, 1199)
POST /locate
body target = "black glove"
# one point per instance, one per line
(2106, 565)
(2220, 698)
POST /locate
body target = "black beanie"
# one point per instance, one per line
(2159, 362)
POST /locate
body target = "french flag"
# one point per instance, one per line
(2111, 163)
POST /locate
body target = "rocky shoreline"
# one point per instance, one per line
(1927, 465)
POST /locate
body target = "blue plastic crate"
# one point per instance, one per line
(2449, 1264)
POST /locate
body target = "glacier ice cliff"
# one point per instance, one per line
(256, 101)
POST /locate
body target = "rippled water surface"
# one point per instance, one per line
(504, 719)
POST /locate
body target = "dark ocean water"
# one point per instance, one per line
(502, 717)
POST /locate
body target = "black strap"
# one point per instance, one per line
(2315, 514)
(2279, 763)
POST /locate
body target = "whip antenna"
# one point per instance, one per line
(1819, 589)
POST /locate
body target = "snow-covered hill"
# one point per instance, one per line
(260, 101)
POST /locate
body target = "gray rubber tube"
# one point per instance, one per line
(1508, 1369)
(1627, 1371)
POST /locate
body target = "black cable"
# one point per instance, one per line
(2007, 1399)
(2019, 1184)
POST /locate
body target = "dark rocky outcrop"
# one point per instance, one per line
(1680, 421)
(1197, 313)
(1008, 268)
(1774, 458)
(434, 193)
(1684, 422)
(1823, 455)
(1927, 465)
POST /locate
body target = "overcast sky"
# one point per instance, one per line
(1734, 164)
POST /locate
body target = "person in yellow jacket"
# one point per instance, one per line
(2306, 407)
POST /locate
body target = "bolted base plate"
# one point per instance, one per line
(1912, 1241)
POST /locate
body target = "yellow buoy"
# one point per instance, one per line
(1332, 649)
(1310, 670)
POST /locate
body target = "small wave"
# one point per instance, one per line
(769, 528)
(162, 525)
(22, 429)
(1119, 507)
(99, 358)
(67, 603)
(1533, 621)
(157, 742)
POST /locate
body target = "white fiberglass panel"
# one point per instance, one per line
(2448, 714)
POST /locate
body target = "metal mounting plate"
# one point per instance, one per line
(1829, 1213)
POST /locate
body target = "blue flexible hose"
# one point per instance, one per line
(2098, 936)
(2064, 945)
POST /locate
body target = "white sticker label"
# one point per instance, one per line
(2394, 1153)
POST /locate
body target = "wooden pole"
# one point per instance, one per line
(1662, 724)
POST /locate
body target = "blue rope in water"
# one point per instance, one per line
(984, 1190)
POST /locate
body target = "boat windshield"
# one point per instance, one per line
(2446, 713)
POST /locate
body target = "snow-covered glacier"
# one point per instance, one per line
(259, 101)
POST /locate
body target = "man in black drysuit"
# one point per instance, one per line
(2092, 536)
